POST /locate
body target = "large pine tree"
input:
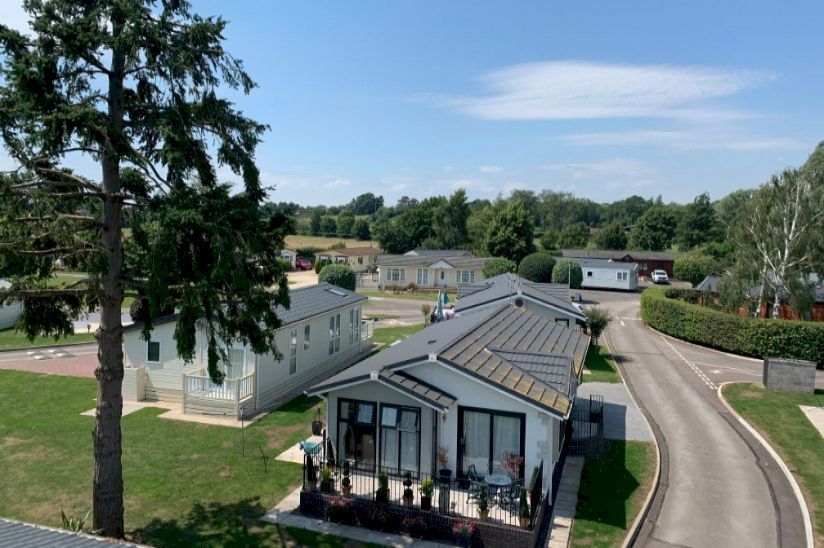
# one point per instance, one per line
(132, 85)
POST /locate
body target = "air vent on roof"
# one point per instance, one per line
(337, 292)
(433, 341)
(519, 302)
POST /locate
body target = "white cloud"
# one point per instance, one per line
(610, 173)
(490, 169)
(566, 90)
(698, 139)
(337, 183)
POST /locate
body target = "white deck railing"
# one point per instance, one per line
(367, 330)
(199, 384)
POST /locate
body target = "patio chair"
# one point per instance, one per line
(512, 496)
(475, 480)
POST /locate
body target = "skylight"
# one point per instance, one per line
(337, 292)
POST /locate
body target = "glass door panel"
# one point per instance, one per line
(476, 441)
(506, 438)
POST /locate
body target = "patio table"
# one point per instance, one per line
(498, 482)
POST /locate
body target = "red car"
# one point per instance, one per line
(303, 264)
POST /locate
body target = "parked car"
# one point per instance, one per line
(659, 277)
(303, 264)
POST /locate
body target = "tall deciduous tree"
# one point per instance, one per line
(698, 223)
(612, 236)
(510, 234)
(449, 221)
(133, 85)
(654, 230)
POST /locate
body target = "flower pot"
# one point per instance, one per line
(382, 497)
(426, 503)
(317, 428)
(313, 485)
(524, 522)
(407, 501)
(445, 475)
(484, 514)
(326, 486)
(347, 490)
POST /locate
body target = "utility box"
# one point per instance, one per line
(134, 383)
(789, 375)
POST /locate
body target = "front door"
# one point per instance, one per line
(442, 279)
(356, 433)
(400, 441)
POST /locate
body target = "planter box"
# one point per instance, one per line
(789, 375)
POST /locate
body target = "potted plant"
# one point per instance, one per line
(483, 502)
(415, 526)
(511, 463)
(317, 424)
(382, 494)
(427, 488)
(464, 532)
(346, 483)
(523, 511)
(443, 459)
(311, 474)
(327, 483)
(408, 495)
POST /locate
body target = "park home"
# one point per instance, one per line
(604, 274)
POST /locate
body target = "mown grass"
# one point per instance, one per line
(185, 484)
(613, 489)
(777, 416)
(11, 339)
(430, 297)
(602, 368)
(388, 335)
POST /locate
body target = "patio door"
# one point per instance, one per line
(485, 436)
(400, 443)
(356, 433)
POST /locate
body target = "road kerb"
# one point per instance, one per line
(805, 513)
(631, 535)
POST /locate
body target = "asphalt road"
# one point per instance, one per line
(402, 311)
(718, 486)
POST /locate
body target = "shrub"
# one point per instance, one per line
(465, 532)
(308, 252)
(536, 267)
(415, 526)
(339, 275)
(523, 506)
(566, 268)
(285, 265)
(597, 321)
(319, 264)
(341, 510)
(427, 487)
(498, 266)
(694, 267)
(663, 310)
(549, 239)
(376, 516)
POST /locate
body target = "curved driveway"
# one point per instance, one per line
(718, 486)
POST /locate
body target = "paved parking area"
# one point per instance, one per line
(622, 418)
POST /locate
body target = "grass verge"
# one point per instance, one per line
(388, 335)
(600, 365)
(778, 418)
(11, 339)
(185, 484)
(613, 488)
(429, 297)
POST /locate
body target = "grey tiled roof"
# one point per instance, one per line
(710, 283)
(427, 260)
(25, 535)
(552, 369)
(475, 344)
(305, 302)
(439, 253)
(622, 254)
(419, 389)
(604, 263)
(505, 287)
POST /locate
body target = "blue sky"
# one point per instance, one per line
(603, 99)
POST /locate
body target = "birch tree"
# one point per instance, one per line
(133, 86)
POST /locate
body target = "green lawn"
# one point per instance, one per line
(9, 339)
(777, 417)
(423, 297)
(613, 488)
(185, 483)
(600, 363)
(61, 279)
(388, 335)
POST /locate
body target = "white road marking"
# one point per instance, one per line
(706, 380)
(717, 367)
(623, 324)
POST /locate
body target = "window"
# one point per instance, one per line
(360, 260)
(395, 274)
(485, 436)
(293, 351)
(589, 273)
(307, 334)
(352, 313)
(562, 321)
(334, 334)
(153, 351)
(423, 276)
(466, 276)
(621, 275)
(237, 360)
(356, 433)
(400, 438)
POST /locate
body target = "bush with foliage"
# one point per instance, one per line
(376, 516)
(308, 252)
(612, 236)
(567, 271)
(319, 264)
(549, 239)
(285, 265)
(339, 275)
(694, 267)
(465, 532)
(537, 267)
(597, 322)
(361, 229)
(665, 311)
(414, 526)
(574, 236)
(341, 510)
(498, 266)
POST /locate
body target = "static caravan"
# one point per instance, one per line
(289, 255)
(10, 311)
(604, 274)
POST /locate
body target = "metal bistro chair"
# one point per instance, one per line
(475, 481)
(512, 496)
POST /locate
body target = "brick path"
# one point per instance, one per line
(80, 360)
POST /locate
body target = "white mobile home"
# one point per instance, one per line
(603, 274)
(322, 334)
(289, 255)
(430, 269)
(11, 310)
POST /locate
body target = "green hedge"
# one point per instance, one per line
(748, 336)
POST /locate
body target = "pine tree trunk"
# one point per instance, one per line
(107, 496)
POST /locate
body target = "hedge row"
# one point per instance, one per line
(731, 333)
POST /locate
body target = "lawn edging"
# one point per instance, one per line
(805, 512)
(635, 528)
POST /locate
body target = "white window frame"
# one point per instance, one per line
(395, 274)
(159, 356)
(307, 337)
(422, 277)
(334, 334)
(231, 366)
(466, 276)
(621, 276)
(293, 351)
